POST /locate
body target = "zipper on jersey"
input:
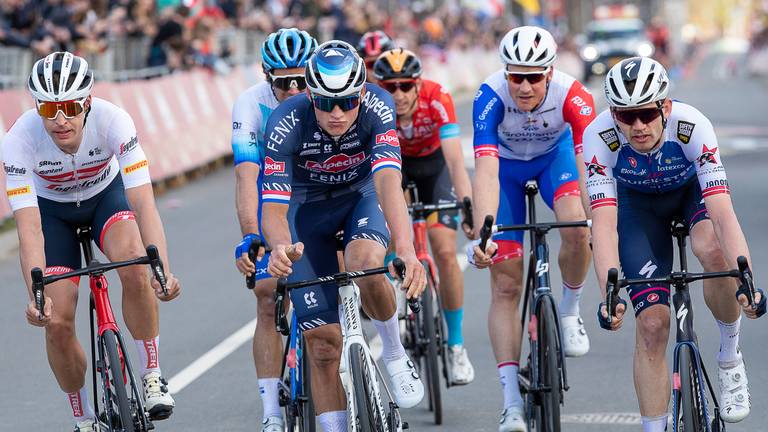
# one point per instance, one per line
(77, 180)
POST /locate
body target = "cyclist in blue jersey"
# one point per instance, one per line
(332, 162)
(284, 55)
(643, 174)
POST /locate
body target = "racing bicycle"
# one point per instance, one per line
(691, 401)
(543, 380)
(123, 404)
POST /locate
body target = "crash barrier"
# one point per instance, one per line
(183, 120)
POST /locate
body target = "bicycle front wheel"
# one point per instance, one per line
(307, 410)
(370, 412)
(429, 320)
(548, 411)
(692, 416)
(116, 395)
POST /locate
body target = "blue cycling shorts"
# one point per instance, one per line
(556, 175)
(645, 239)
(316, 224)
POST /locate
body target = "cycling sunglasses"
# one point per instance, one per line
(645, 115)
(327, 104)
(393, 86)
(287, 82)
(70, 108)
(531, 77)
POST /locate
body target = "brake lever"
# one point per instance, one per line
(486, 231)
(281, 323)
(157, 267)
(37, 290)
(253, 252)
(468, 218)
(746, 281)
(399, 266)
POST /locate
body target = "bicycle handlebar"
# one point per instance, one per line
(419, 210)
(489, 228)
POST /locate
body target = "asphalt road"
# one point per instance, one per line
(222, 396)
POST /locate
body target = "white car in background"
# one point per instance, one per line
(608, 41)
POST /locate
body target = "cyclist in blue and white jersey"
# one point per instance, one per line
(650, 160)
(334, 164)
(284, 55)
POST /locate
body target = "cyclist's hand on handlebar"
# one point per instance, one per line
(33, 314)
(616, 320)
(479, 258)
(760, 304)
(242, 261)
(171, 283)
(415, 279)
(468, 231)
(282, 258)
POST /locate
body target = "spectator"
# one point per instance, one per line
(169, 44)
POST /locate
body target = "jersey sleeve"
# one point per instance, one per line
(599, 161)
(702, 149)
(19, 165)
(386, 145)
(123, 140)
(444, 113)
(578, 111)
(247, 144)
(487, 114)
(282, 138)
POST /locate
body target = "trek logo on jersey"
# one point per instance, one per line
(388, 138)
(135, 167)
(14, 170)
(594, 167)
(128, 146)
(707, 156)
(336, 163)
(17, 191)
(684, 131)
(610, 138)
(272, 166)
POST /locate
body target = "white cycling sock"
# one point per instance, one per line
(729, 342)
(569, 305)
(389, 331)
(509, 385)
(149, 357)
(333, 421)
(270, 402)
(81, 406)
(655, 424)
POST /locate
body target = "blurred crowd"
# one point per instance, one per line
(182, 33)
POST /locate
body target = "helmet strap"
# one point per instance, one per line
(660, 106)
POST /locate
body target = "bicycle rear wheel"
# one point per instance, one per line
(429, 320)
(370, 411)
(306, 407)
(691, 416)
(116, 395)
(548, 410)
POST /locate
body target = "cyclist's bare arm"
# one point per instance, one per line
(278, 236)
(485, 189)
(247, 197)
(31, 243)
(605, 243)
(582, 185)
(454, 159)
(727, 228)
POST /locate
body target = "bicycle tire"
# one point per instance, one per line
(114, 369)
(691, 412)
(370, 413)
(548, 418)
(431, 339)
(307, 409)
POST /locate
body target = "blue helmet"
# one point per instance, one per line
(287, 48)
(335, 70)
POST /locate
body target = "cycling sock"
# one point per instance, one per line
(454, 319)
(269, 392)
(81, 406)
(389, 331)
(149, 359)
(509, 385)
(333, 421)
(729, 341)
(655, 424)
(569, 305)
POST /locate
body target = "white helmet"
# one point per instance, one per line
(636, 81)
(60, 76)
(335, 70)
(528, 46)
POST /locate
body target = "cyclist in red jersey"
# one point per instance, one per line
(432, 158)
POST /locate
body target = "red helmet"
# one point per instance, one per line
(374, 43)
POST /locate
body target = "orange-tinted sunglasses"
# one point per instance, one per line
(70, 108)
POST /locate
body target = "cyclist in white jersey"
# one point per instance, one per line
(62, 162)
(284, 54)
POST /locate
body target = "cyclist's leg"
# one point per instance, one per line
(65, 354)
(645, 250)
(267, 343)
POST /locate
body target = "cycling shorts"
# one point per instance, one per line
(557, 176)
(316, 224)
(60, 221)
(645, 239)
(433, 181)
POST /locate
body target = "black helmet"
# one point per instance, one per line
(397, 63)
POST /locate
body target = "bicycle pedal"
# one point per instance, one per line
(160, 413)
(405, 425)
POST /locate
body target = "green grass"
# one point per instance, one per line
(7, 225)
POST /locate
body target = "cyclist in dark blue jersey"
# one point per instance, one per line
(332, 162)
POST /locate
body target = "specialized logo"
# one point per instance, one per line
(610, 138)
(272, 166)
(336, 163)
(128, 146)
(310, 300)
(682, 313)
(684, 131)
(707, 156)
(628, 67)
(17, 191)
(595, 168)
(648, 269)
(135, 167)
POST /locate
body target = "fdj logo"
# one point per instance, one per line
(310, 300)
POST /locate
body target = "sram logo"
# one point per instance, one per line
(389, 138)
(336, 163)
(272, 166)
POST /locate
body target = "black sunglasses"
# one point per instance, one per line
(287, 82)
(645, 115)
(404, 86)
(327, 104)
(531, 77)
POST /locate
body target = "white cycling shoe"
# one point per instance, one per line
(407, 388)
(462, 372)
(575, 339)
(157, 400)
(512, 420)
(734, 392)
(273, 424)
(88, 425)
